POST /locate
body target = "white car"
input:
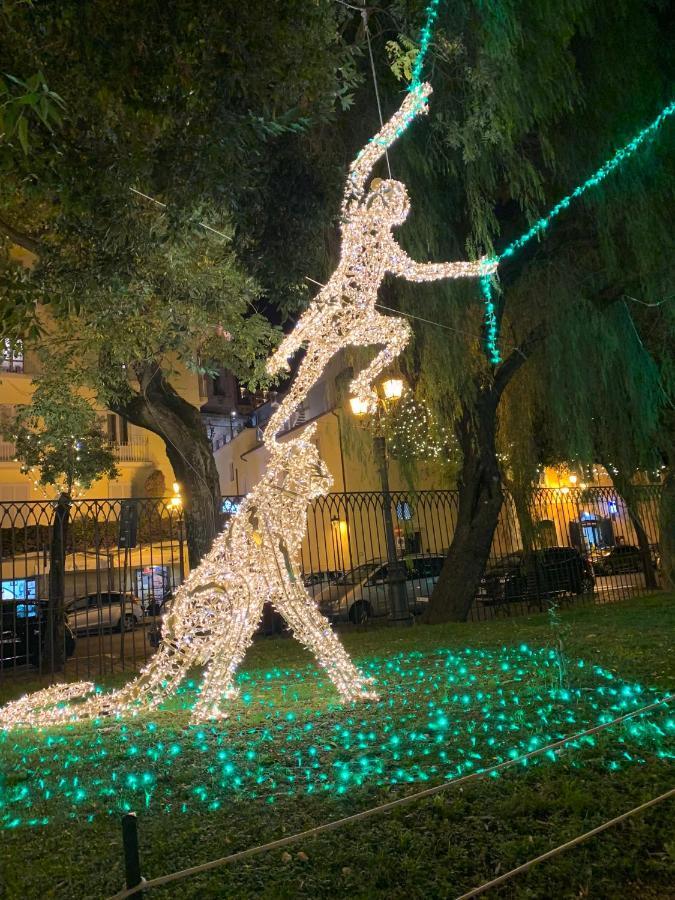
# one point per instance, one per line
(315, 581)
(109, 610)
(363, 593)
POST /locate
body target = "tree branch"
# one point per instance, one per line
(18, 237)
(517, 358)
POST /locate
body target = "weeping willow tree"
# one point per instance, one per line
(529, 99)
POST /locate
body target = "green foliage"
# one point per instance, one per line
(529, 99)
(23, 104)
(58, 438)
(401, 54)
(209, 110)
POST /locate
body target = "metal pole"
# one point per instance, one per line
(132, 861)
(398, 600)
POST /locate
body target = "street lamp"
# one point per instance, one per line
(392, 390)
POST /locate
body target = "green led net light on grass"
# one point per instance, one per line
(446, 714)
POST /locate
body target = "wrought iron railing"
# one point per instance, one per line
(121, 560)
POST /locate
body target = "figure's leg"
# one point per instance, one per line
(279, 360)
(394, 334)
(228, 651)
(319, 353)
(304, 330)
(315, 632)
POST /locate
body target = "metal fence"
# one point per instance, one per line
(84, 594)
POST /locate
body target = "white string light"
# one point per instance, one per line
(217, 609)
(344, 311)
(257, 557)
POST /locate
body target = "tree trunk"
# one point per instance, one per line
(55, 654)
(480, 502)
(160, 409)
(627, 490)
(667, 531)
(521, 495)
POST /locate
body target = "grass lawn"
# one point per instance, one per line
(454, 699)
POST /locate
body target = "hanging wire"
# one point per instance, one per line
(364, 15)
(163, 206)
(408, 315)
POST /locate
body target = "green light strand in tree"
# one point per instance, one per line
(621, 155)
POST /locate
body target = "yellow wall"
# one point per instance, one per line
(143, 455)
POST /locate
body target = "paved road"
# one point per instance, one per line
(112, 652)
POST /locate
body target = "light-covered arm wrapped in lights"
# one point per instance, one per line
(399, 263)
(415, 104)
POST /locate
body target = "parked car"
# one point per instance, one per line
(315, 581)
(109, 610)
(537, 576)
(153, 606)
(363, 593)
(621, 558)
(23, 632)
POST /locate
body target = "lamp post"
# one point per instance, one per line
(392, 390)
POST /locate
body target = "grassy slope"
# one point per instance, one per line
(435, 848)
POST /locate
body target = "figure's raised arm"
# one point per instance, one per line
(415, 104)
(399, 263)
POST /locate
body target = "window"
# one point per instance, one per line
(123, 430)
(117, 429)
(12, 356)
(111, 428)
(379, 576)
(19, 589)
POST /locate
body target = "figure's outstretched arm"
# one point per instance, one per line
(415, 104)
(399, 263)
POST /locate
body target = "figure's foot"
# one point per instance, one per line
(362, 695)
(362, 689)
(203, 714)
(210, 708)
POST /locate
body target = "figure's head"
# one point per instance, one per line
(298, 468)
(388, 200)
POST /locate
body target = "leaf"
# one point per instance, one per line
(22, 132)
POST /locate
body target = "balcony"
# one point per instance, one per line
(135, 450)
(132, 451)
(11, 357)
(7, 451)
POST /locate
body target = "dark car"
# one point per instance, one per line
(536, 576)
(23, 632)
(614, 560)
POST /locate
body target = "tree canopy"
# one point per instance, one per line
(189, 106)
(245, 118)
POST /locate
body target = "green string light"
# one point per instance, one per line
(621, 155)
(624, 153)
(430, 15)
(447, 713)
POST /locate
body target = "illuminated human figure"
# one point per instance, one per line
(344, 313)
(218, 608)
